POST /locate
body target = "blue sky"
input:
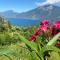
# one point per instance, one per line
(18, 5)
(23, 5)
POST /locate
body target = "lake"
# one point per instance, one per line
(23, 22)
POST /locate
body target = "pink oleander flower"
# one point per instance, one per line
(37, 32)
(59, 39)
(56, 25)
(33, 38)
(44, 28)
(58, 44)
(44, 22)
(54, 31)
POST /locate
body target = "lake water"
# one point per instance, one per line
(23, 22)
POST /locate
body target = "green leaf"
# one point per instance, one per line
(53, 40)
(51, 48)
(33, 45)
(8, 52)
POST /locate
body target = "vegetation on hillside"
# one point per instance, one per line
(32, 43)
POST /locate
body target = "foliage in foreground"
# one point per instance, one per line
(47, 52)
(45, 47)
(7, 31)
(16, 45)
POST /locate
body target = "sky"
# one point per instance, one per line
(23, 5)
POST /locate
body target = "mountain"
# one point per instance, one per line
(8, 14)
(49, 11)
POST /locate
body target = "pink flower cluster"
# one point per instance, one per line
(57, 25)
(44, 27)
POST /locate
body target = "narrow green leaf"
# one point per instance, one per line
(8, 53)
(53, 40)
(31, 44)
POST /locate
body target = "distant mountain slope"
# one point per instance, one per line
(50, 12)
(8, 14)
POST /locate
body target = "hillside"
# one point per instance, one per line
(8, 14)
(49, 12)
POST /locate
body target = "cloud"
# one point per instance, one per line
(52, 1)
(47, 2)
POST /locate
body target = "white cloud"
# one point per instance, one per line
(52, 1)
(47, 2)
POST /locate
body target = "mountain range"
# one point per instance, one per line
(49, 11)
(9, 14)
